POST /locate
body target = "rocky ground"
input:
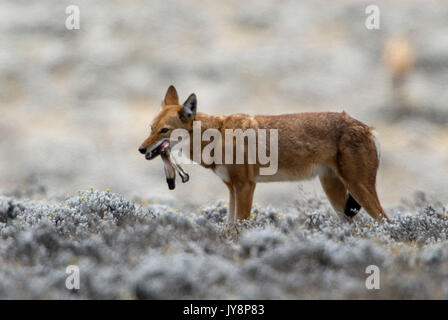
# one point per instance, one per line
(130, 251)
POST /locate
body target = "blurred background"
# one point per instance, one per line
(76, 104)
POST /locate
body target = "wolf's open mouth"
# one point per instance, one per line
(158, 149)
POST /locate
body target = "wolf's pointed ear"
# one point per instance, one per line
(188, 110)
(171, 97)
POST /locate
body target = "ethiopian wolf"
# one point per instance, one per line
(342, 151)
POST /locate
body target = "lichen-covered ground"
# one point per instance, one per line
(127, 250)
(75, 105)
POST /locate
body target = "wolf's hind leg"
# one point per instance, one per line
(358, 165)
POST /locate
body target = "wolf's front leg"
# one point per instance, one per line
(244, 193)
(231, 210)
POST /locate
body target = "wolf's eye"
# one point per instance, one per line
(164, 130)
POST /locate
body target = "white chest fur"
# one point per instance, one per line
(221, 171)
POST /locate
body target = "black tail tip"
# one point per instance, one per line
(171, 183)
(352, 207)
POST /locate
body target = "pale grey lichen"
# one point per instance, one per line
(126, 250)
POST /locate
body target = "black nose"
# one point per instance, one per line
(142, 150)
